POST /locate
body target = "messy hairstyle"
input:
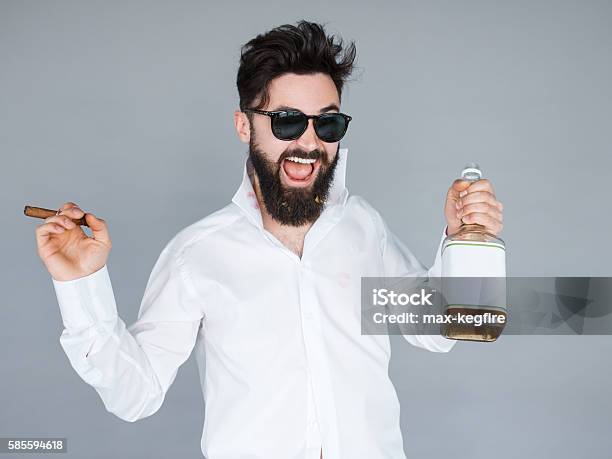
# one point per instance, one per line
(303, 49)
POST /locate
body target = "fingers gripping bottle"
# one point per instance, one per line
(473, 279)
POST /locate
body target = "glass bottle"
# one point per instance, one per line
(473, 279)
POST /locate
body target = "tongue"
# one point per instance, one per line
(297, 171)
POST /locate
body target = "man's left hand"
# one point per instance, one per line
(473, 202)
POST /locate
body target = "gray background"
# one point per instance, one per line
(126, 108)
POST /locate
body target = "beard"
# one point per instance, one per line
(292, 206)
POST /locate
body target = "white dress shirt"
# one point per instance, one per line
(284, 368)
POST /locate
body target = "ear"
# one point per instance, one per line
(243, 127)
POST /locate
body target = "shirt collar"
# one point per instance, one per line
(245, 195)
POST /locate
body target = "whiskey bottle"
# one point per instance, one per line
(473, 279)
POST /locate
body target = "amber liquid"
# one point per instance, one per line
(470, 331)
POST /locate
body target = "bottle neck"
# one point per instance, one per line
(475, 232)
(475, 227)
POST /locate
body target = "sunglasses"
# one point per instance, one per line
(291, 124)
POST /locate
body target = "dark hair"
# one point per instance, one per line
(303, 49)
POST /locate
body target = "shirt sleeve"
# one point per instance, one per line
(131, 368)
(399, 261)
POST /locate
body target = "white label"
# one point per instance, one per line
(473, 259)
(480, 260)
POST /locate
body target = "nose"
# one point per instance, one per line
(308, 141)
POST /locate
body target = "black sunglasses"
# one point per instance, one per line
(291, 124)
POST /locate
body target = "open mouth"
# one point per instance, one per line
(299, 172)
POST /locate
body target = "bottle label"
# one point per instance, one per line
(474, 275)
(473, 259)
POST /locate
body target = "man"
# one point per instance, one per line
(266, 289)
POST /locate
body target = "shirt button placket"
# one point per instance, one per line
(310, 332)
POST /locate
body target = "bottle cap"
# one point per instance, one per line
(471, 172)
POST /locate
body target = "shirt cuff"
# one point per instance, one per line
(87, 300)
(436, 268)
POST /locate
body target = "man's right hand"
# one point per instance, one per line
(65, 249)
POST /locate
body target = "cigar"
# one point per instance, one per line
(41, 212)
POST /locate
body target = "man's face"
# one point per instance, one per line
(294, 192)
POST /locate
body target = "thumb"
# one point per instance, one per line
(99, 228)
(458, 186)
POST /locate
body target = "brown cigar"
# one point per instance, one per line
(41, 212)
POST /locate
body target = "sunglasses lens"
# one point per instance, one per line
(331, 128)
(289, 125)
